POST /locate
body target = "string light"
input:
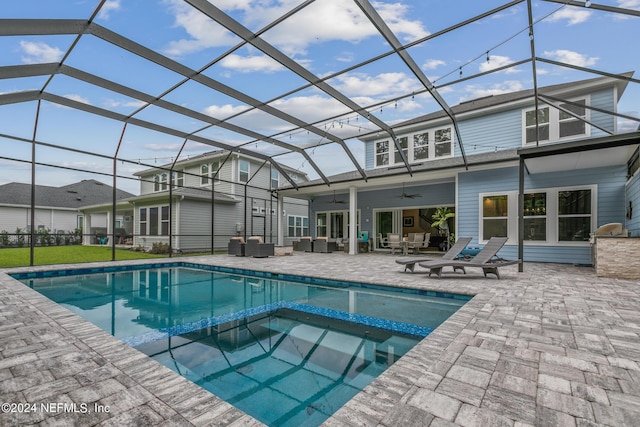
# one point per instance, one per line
(460, 71)
(487, 57)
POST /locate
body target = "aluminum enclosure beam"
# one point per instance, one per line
(245, 34)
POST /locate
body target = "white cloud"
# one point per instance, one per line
(497, 61)
(629, 4)
(387, 84)
(203, 32)
(573, 58)
(111, 103)
(77, 98)
(222, 111)
(626, 4)
(345, 57)
(296, 34)
(108, 7)
(571, 14)
(477, 91)
(248, 64)
(432, 64)
(35, 53)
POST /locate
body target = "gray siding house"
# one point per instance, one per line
(57, 209)
(200, 203)
(568, 192)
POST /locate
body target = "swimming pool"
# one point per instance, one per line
(287, 350)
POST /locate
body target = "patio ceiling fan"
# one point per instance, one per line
(407, 195)
(334, 201)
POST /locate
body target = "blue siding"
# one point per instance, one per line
(369, 154)
(498, 131)
(633, 195)
(610, 207)
(603, 99)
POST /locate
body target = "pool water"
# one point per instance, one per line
(285, 352)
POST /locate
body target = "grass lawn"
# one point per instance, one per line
(19, 257)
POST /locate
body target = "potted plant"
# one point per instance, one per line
(440, 218)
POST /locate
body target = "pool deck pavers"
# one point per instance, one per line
(554, 345)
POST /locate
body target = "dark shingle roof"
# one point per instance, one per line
(84, 193)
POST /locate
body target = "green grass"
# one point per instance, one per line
(19, 257)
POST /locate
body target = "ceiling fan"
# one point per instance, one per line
(406, 195)
(334, 201)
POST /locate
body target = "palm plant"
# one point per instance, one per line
(440, 220)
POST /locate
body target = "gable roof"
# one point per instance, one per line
(493, 101)
(72, 196)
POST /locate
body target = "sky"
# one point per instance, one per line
(325, 38)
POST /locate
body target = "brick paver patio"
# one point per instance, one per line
(554, 345)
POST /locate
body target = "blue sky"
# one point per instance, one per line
(325, 37)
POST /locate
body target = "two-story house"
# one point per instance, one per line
(576, 173)
(202, 201)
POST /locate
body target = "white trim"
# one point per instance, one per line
(552, 216)
(554, 123)
(431, 147)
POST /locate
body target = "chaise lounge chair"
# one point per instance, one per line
(451, 254)
(485, 259)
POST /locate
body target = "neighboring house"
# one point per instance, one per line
(178, 200)
(57, 209)
(567, 195)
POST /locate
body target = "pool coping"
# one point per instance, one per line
(553, 345)
(131, 362)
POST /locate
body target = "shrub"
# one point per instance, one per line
(159, 248)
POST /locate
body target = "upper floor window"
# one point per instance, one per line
(382, 153)
(275, 179)
(555, 124)
(417, 148)
(160, 181)
(442, 142)
(404, 144)
(421, 146)
(209, 172)
(204, 174)
(177, 178)
(243, 171)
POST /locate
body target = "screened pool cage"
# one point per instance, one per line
(88, 94)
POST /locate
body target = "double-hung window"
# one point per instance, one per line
(275, 179)
(495, 216)
(404, 144)
(177, 178)
(382, 153)
(543, 125)
(160, 181)
(442, 142)
(551, 216)
(298, 226)
(420, 146)
(209, 172)
(557, 123)
(204, 174)
(569, 124)
(574, 215)
(243, 171)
